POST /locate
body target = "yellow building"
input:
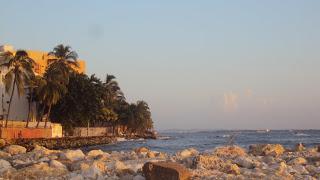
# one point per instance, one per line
(41, 58)
(20, 105)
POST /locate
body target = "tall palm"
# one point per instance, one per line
(50, 90)
(19, 74)
(34, 82)
(113, 92)
(63, 59)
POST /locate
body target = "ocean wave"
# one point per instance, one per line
(301, 134)
(164, 137)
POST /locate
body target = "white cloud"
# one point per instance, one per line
(230, 101)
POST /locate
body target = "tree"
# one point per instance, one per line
(50, 90)
(113, 92)
(34, 82)
(82, 104)
(63, 59)
(139, 117)
(19, 74)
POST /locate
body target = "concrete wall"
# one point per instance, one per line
(17, 132)
(92, 131)
(17, 129)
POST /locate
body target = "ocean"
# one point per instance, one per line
(171, 141)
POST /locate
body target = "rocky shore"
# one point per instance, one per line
(262, 161)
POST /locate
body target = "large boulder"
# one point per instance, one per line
(4, 165)
(165, 170)
(15, 149)
(245, 162)
(231, 169)
(211, 162)
(229, 152)
(2, 143)
(141, 150)
(95, 171)
(95, 153)
(57, 164)
(266, 149)
(187, 153)
(299, 147)
(4, 155)
(73, 155)
(38, 171)
(298, 161)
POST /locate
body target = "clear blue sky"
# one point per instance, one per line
(199, 64)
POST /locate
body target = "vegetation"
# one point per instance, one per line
(18, 76)
(75, 100)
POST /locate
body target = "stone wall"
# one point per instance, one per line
(62, 143)
(92, 131)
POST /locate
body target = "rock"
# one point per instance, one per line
(187, 153)
(141, 150)
(231, 169)
(92, 172)
(138, 177)
(126, 177)
(121, 168)
(15, 149)
(208, 162)
(75, 176)
(151, 154)
(95, 153)
(38, 171)
(268, 159)
(4, 155)
(73, 155)
(298, 161)
(245, 162)
(299, 147)
(229, 152)
(300, 169)
(318, 148)
(313, 170)
(57, 164)
(266, 149)
(4, 165)
(279, 167)
(165, 170)
(2, 143)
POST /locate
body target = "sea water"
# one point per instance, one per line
(171, 141)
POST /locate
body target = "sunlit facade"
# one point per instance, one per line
(20, 107)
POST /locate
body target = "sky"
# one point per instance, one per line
(199, 64)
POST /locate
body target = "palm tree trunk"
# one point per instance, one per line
(14, 83)
(41, 115)
(29, 108)
(48, 116)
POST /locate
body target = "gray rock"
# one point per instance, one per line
(245, 162)
(15, 149)
(4, 165)
(73, 155)
(57, 164)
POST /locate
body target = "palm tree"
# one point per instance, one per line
(113, 92)
(50, 90)
(63, 59)
(34, 82)
(19, 74)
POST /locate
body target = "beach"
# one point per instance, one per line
(260, 161)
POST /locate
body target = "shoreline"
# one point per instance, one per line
(260, 161)
(71, 142)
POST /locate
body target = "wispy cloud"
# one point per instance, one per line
(230, 101)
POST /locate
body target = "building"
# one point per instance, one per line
(20, 107)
